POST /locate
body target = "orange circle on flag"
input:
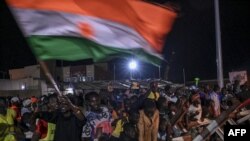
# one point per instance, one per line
(86, 30)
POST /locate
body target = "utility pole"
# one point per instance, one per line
(218, 45)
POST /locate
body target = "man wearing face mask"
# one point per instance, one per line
(149, 121)
(69, 122)
(7, 117)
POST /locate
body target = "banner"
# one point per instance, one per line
(238, 75)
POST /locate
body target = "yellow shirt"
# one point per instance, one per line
(118, 129)
(50, 133)
(8, 120)
(154, 96)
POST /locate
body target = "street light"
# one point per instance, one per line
(22, 87)
(132, 66)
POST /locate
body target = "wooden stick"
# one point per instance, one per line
(49, 76)
(212, 127)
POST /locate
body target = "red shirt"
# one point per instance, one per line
(42, 128)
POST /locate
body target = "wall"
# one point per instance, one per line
(26, 72)
(20, 93)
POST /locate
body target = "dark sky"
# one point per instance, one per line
(190, 45)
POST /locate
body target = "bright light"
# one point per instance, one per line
(132, 65)
(22, 87)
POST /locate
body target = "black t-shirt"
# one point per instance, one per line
(68, 129)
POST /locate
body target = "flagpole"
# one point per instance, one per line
(218, 45)
(159, 69)
(49, 76)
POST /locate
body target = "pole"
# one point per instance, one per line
(159, 71)
(218, 45)
(49, 76)
(184, 77)
(131, 74)
(114, 72)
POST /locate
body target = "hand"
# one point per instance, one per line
(64, 99)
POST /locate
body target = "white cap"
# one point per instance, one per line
(26, 102)
(14, 99)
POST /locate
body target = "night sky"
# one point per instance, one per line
(190, 45)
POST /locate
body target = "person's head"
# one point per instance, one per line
(224, 91)
(43, 103)
(196, 100)
(129, 130)
(119, 110)
(133, 99)
(216, 88)
(149, 107)
(206, 88)
(162, 103)
(64, 107)
(15, 101)
(133, 117)
(154, 86)
(244, 88)
(53, 102)
(127, 104)
(3, 106)
(34, 106)
(27, 104)
(211, 103)
(162, 124)
(93, 100)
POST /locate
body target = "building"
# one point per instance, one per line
(83, 73)
(31, 80)
(23, 82)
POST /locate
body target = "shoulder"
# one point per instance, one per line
(104, 109)
(11, 112)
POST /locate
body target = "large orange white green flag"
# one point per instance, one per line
(97, 29)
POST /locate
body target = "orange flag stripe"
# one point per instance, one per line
(151, 21)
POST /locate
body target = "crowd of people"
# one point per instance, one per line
(135, 114)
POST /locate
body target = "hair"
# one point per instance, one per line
(152, 84)
(133, 98)
(89, 95)
(216, 88)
